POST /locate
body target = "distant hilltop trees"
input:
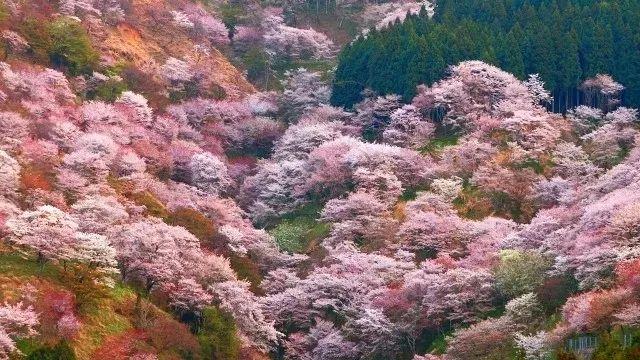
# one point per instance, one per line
(564, 41)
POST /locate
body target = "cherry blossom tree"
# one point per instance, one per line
(188, 297)
(39, 92)
(177, 72)
(109, 10)
(458, 295)
(235, 297)
(299, 140)
(374, 115)
(140, 106)
(535, 346)
(304, 90)
(407, 128)
(385, 14)
(473, 89)
(95, 251)
(209, 174)
(129, 164)
(429, 233)
(48, 231)
(9, 174)
(487, 339)
(153, 254)
(360, 219)
(273, 191)
(536, 87)
(205, 23)
(283, 40)
(602, 91)
(15, 130)
(16, 321)
(97, 213)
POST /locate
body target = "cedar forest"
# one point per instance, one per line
(307, 180)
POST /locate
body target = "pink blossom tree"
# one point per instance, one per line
(16, 321)
(48, 231)
(209, 174)
(408, 128)
(360, 219)
(235, 297)
(9, 174)
(152, 254)
(303, 91)
(281, 39)
(97, 213)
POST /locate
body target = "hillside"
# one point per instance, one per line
(175, 183)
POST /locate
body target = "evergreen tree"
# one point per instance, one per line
(564, 41)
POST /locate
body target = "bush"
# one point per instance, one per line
(197, 224)
(257, 64)
(148, 200)
(86, 284)
(217, 335)
(611, 346)
(71, 47)
(37, 34)
(62, 351)
(63, 42)
(108, 91)
(298, 234)
(247, 270)
(4, 13)
(555, 291)
(168, 335)
(520, 272)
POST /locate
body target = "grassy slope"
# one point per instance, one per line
(300, 231)
(97, 324)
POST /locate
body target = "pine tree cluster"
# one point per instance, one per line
(565, 41)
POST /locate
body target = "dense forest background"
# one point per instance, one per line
(565, 41)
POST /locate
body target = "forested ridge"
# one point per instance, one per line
(565, 41)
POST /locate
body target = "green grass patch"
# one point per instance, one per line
(295, 235)
(298, 231)
(532, 164)
(18, 264)
(439, 344)
(27, 345)
(437, 144)
(121, 292)
(410, 194)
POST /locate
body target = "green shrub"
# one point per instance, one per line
(231, 14)
(153, 206)
(295, 235)
(197, 224)
(36, 32)
(64, 43)
(217, 335)
(611, 345)
(247, 270)
(109, 91)
(71, 47)
(4, 13)
(62, 351)
(520, 272)
(257, 64)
